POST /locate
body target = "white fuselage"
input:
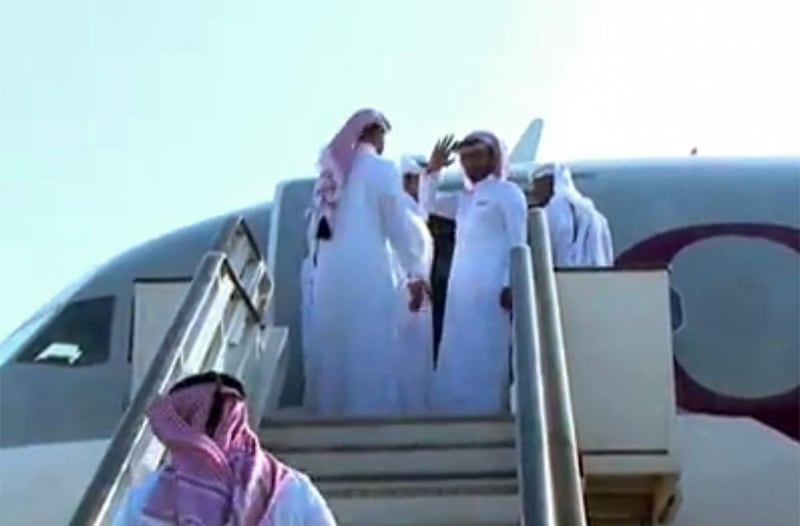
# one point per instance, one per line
(735, 318)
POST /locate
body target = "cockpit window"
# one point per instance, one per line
(79, 336)
(10, 345)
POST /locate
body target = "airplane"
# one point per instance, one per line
(729, 229)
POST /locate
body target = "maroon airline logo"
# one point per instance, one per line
(782, 411)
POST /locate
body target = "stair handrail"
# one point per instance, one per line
(224, 259)
(533, 456)
(562, 439)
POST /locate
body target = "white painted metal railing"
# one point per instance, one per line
(550, 481)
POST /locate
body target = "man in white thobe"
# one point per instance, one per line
(359, 226)
(472, 373)
(579, 233)
(415, 329)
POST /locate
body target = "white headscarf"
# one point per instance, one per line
(335, 163)
(498, 148)
(563, 185)
(412, 164)
(579, 233)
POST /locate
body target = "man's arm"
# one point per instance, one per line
(396, 225)
(130, 509)
(441, 157)
(515, 219)
(317, 511)
(299, 503)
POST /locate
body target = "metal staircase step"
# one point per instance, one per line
(411, 486)
(298, 433)
(493, 506)
(425, 471)
(442, 471)
(387, 464)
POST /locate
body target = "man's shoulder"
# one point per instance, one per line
(376, 167)
(408, 202)
(600, 219)
(509, 189)
(297, 478)
(386, 166)
(299, 487)
(373, 160)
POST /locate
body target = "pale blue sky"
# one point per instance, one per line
(121, 120)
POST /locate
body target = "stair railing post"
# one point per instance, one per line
(563, 444)
(533, 464)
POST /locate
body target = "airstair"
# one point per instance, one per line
(591, 441)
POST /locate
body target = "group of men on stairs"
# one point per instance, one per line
(367, 321)
(367, 326)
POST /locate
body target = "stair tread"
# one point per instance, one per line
(417, 510)
(434, 470)
(386, 433)
(407, 487)
(413, 462)
(391, 448)
(304, 419)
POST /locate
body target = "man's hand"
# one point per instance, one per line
(442, 154)
(505, 299)
(417, 289)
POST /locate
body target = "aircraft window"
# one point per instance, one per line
(79, 336)
(24, 332)
(18, 338)
(676, 309)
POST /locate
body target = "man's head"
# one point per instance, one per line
(374, 134)
(411, 168)
(202, 399)
(209, 377)
(223, 474)
(550, 180)
(411, 184)
(481, 156)
(367, 126)
(336, 161)
(541, 189)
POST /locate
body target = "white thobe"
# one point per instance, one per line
(296, 502)
(472, 373)
(579, 234)
(414, 360)
(354, 319)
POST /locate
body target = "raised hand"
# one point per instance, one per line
(442, 154)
